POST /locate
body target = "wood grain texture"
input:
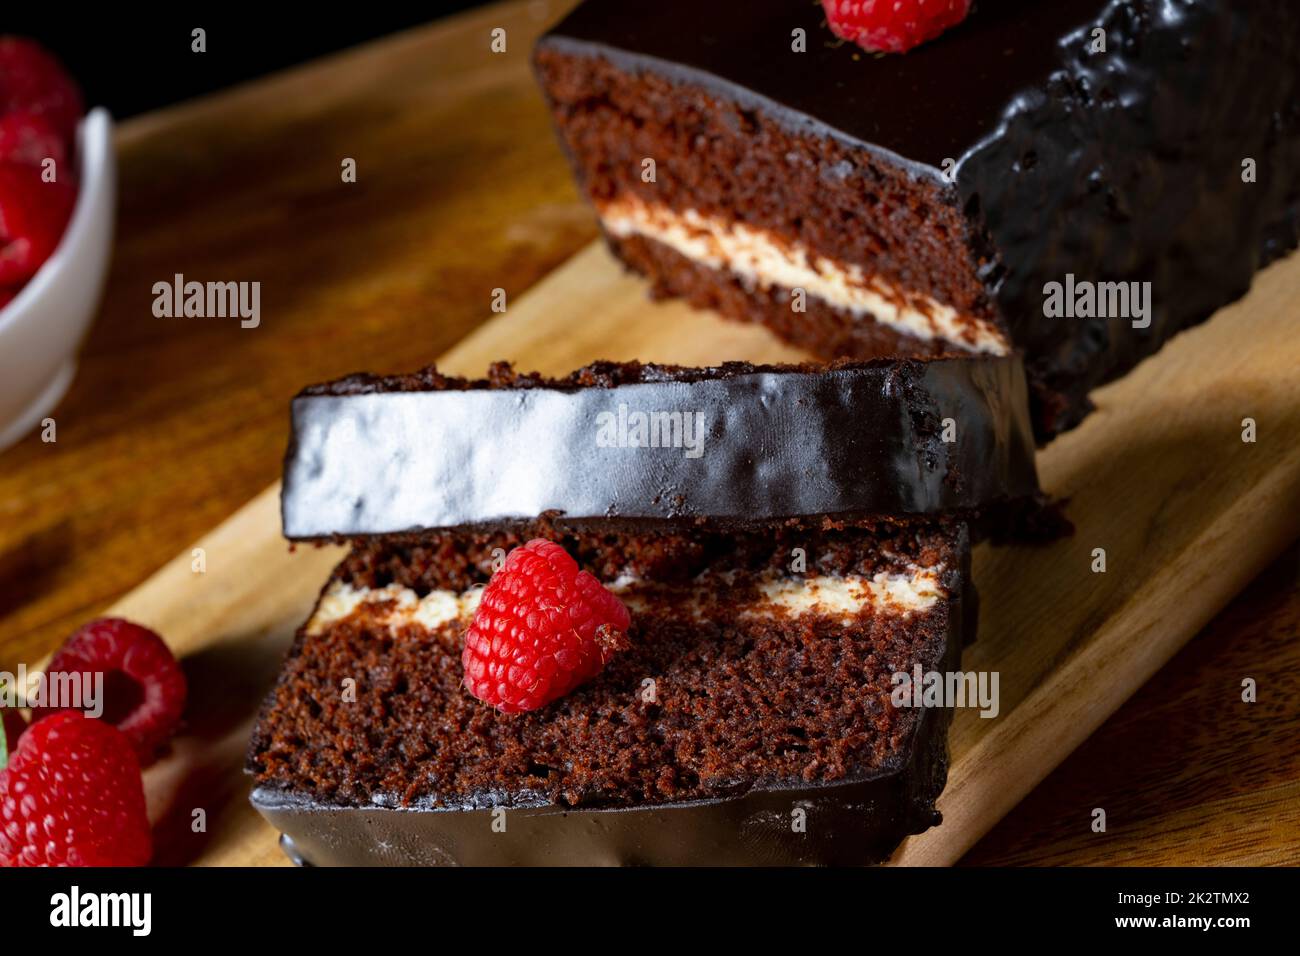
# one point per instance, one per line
(1185, 769)
(171, 425)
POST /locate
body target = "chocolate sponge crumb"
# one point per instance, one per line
(738, 700)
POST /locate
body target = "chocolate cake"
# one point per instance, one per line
(744, 158)
(750, 720)
(788, 540)
(630, 445)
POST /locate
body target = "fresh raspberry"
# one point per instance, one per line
(72, 796)
(542, 628)
(29, 138)
(144, 688)
(33, 214)
(33, 81)
(893, 26)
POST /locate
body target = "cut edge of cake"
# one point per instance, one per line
(786, 191)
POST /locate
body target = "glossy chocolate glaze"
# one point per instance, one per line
(1127, 166)
(1116, 166)
(854, 441)
(853, 821)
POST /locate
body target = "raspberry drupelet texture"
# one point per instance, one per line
(144, 687)
(72, 796)
(893, 26)
(542, 628)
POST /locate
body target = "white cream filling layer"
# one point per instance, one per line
(900, 593)
(758, 256)
(395, 606)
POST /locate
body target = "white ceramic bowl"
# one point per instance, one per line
(42, 327)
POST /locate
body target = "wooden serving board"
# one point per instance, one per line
(1159, 477)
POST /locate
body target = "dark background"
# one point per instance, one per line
(132, 58)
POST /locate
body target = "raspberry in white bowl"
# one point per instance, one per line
(57, 198)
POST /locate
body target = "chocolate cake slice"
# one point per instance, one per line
(630, 445)
(1138, 158)
(750, 721)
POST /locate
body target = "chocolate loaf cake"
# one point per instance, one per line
(630, 445)
(1139, 159)
(749, 722)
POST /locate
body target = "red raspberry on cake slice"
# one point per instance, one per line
(543, 627)
(893, 26)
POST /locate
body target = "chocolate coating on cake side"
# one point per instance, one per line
(738, 444)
